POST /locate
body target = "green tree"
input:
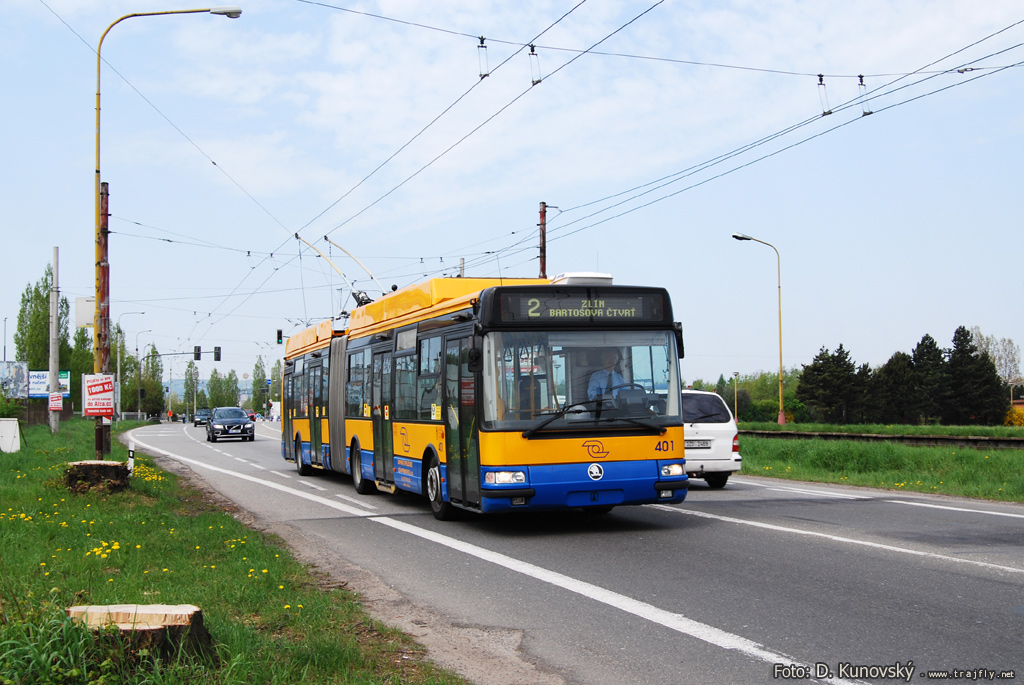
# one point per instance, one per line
(191, 387)
(1004, 352)
(259, 386)
(80, 363)
(930, 385)
(275, 377)
(223, 390)
(976, 393)
(32, 335)
(892, 391)
(832, 388)
(152, 383)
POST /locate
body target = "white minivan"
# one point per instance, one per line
(711, 438)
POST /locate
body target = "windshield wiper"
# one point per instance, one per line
(530, 432)
(700, 418)
(637, 422)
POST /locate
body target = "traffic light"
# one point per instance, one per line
(216, 354)
(197, 353)
(280, 336)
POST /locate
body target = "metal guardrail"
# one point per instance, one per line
(975, 442)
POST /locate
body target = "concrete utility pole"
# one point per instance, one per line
(54, 381)
(543, 240)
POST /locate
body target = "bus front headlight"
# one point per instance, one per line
(672, 470)
(504, 477)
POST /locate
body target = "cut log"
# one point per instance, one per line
(163, 629)
(83, 476)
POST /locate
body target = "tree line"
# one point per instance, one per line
(969, 383)
(142, 373)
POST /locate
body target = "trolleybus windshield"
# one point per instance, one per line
(571, 379)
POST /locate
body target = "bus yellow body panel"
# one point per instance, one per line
(509, 449)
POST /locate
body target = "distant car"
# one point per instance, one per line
(230, 422)
(251, 414)
(711, 438)
(201, 417)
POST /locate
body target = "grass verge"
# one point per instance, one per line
(884, 429)
(161, 542)
(988, 474)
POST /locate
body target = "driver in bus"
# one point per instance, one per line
(606, 379)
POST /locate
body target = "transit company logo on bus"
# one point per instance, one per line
(595, 449)
(595, 471)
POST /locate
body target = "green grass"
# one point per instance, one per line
(987, 474)
(160, 542)
(883, 429)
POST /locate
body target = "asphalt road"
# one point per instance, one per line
(753, 583)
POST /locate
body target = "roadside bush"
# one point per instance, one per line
(9, 409)
(1014, 417)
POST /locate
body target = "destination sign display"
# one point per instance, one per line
(593, 305)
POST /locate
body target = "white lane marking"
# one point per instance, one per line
(283, 475)
(970, 511)
(241, 460)
(353, 500)
(310, 485)
(836, 538)
(677, 622)
(818, 493)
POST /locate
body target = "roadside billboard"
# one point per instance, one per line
(39, 383)
(97, 395)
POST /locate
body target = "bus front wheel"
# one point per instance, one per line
(443, 511)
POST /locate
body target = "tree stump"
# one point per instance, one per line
(83, 476)
(163, 629)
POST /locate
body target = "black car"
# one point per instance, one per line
(230, 422)
(201, 417)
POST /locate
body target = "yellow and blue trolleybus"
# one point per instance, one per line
(493, 395)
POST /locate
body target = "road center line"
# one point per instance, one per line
(677, 622)
(836, 538)
(817, 493)
(970, 511)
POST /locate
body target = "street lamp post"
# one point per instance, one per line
(101, 315)
(138, 371)
(735, 395)
(741, 236)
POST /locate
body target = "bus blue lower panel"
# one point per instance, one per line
(304, 455)
(560, 486)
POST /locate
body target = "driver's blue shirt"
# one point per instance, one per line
(603, 381)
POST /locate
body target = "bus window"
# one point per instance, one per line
(405, 387)
(529, 376)
(356, 384)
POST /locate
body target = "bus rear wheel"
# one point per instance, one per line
(302, 469)
(443, 511)
(362, 486)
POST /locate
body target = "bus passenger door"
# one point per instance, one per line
(287, 406)
(315, 414)
(383, 414)
(460, 419)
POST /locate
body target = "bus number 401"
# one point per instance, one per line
(665, 446)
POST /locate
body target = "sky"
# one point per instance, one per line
(653, 130)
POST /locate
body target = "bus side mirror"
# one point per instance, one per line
(679, 337)
(475, 360)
